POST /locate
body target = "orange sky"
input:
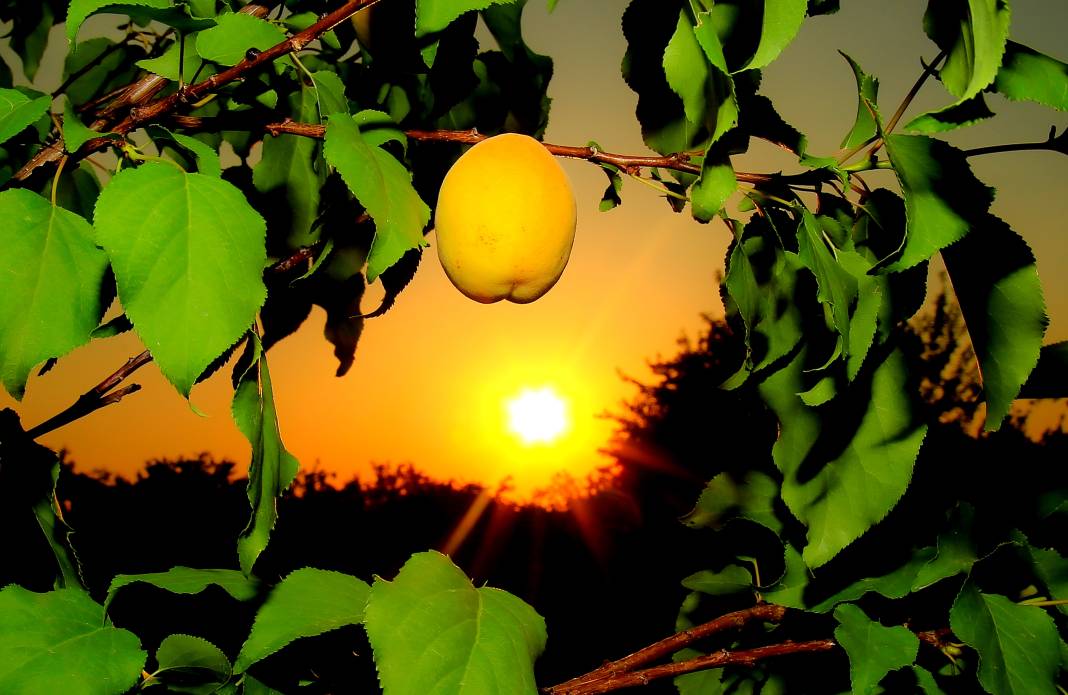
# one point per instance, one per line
(431, 376)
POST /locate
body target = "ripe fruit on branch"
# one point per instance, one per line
(505, 220)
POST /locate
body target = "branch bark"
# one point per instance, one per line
(631, 164)
(98, 397)
(622, 673)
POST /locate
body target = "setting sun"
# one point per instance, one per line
(537, 416)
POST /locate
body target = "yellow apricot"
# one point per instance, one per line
(505, 220)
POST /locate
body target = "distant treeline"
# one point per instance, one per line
(604, 573)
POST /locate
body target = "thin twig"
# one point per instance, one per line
(746, 657)
(95, 398)
(139, 115)
(670, 645)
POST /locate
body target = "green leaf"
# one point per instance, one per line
(191, 657)
(954, 554)
(842, 477)
(188, 255)
(717, 183)
(378, 128)
(1027, 75)
(723, 498)
(780, 23)
(432, 631)
(51, 285)
(57, 642)
(186, 580)
(837, 287)
(29, 35)
(942, 196)
(272, 468)
(18, 112)
(926, 680)
(306, 603)
(864, 126)
(1019, 648)
(761, 278)
(1052, 568)
(330, 93)
(1049, 378)
(996, 282)
(966, 113)
(167, 66)
(290, 174)
(434, 15)
(731, 580)
(873, 649)
(973, 35)
(384, 187)
(697, 71)
(789, 590)
(207, 157)
(233, 35)
(79, 10)
(75, 133)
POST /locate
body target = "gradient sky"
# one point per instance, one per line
(431, 377)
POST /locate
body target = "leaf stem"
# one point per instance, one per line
(55, 179)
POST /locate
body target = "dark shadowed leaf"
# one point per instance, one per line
(434, 15)
(1049, 379)
(731, 580)
(996, 282)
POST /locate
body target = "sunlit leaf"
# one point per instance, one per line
(973, 35)
(166, 65)
(789, 590)
(384, 187)
(330, 92)
(207, 158)
(433, 631)
(781, 21)
(1019, 648)
(188, 254)
(1027, 75)
(697, 71)
(942, 196)
(717, 183)
(434, 15)
(864, 126)
(272, 468)
(75, 133)
(996, 283)
(51, 284)
(306, 603)
(874, 649)
(79, 10)
(199, 665)
(842, 477)
(57, 642)
(233, 35)
(966, 113)
(18, 111)
(187, 580)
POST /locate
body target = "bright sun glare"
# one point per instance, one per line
(537, 416)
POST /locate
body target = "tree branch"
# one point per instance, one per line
(95, 398)
(631, 164)
(621, 673)
(156, 110)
